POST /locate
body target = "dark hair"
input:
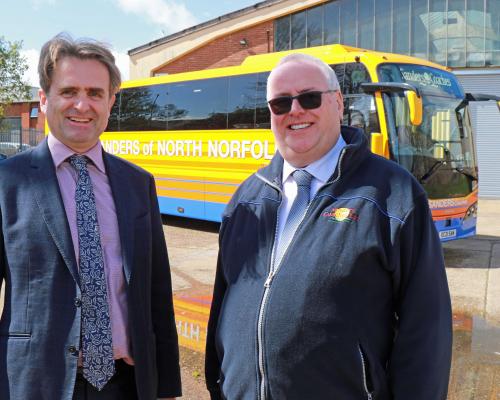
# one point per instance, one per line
(63, 45)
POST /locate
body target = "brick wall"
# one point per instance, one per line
(23, 110)
(225, 51)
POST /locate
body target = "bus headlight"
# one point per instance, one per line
(471, 212)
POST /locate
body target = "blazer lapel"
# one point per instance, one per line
(119, 182)
(48, 197)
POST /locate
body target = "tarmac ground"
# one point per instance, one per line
(472, 267)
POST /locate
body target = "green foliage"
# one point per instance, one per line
(12, 68)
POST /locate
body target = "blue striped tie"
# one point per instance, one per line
(297, 211)
(97, 348)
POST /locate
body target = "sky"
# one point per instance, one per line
(123, 24)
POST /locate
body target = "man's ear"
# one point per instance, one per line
(43, 101)
(111, 102)
(340, 104)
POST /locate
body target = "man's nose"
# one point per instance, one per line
(296, 108)
(82, 103)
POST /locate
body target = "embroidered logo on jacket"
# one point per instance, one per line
(341, 215)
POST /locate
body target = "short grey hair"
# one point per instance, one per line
(328, 72)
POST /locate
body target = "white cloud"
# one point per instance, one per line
(32, 55)
(122, 61)
(170, 15)
(31, 75)
(37, 4)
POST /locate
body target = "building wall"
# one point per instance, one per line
(225, 51)
(486, 122)
(154, 56)
(456, 34)
(23, 110)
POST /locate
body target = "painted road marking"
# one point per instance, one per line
(191, 318)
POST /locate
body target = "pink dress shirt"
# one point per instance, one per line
(110, 235)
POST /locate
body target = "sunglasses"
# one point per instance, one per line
(307, 100)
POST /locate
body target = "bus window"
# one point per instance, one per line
(351, 76)
(113, 121)
(360, 111)
(262, 113)
(241, 101)
(158, 108)
(200, 104)
(359, 108)
(143, 108)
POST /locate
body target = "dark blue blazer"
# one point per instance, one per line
(40, 324)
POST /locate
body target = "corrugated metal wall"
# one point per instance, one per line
(486, 122)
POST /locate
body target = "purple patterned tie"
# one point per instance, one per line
(97, 348)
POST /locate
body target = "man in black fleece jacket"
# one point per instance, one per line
(342, 297)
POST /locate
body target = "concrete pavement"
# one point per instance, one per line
(473, 266)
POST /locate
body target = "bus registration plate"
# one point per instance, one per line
(448, 234)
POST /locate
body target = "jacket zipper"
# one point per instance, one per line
(273, 270)
(261, 395)
(365, 382)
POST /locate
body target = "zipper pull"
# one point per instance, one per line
(268, 280)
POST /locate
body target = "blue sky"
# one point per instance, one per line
(124, 24)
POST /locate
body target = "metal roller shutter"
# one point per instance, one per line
(486, 122)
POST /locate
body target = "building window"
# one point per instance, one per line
(383, 25)
(455, 33)
(314, 26)
(419, 37)
(401, 23)
(348, 20)
(331, 23)
(437, 31)
(10, 124)
(366, 9)
(34, 112)
(298, 30)
(282, 33)
(492, 32)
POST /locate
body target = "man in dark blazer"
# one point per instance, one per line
(42, 355)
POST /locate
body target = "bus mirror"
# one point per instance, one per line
(415, 107)
(378, 144)
(482, 97)
(412, 94)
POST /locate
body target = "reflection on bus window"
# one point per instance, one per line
(262, 113)
(359, 108)
(200, 104)
(236, 102)
(241, 101)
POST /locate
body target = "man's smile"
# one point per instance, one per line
(80, 120)
(296, 127)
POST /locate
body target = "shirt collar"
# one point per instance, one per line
(60, 153)
(320, 169)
